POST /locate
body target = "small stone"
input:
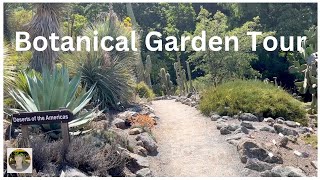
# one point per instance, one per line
(224, 131)
(284, 141)
(119, 123)
(215, 117)
(268, 129)
(145, 172)
(247, 125)
(72, 172)
(244, 130)
(148, 142)
(280, 120)
(135, 131)
(292, 138)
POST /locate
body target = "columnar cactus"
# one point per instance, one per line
(166, 84)
(309, 69)
(189, 77)
(147, 71)
(179, 75)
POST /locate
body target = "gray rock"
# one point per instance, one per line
(244, 130)
(235, 137)
(284, 130)
(292, 138)
(72, 172)
(226, 117)
(148, 142)
(224, 131)
(145, 172)
(248, 117)
(141, 151)
(232, 127)
(127, 115)
(269, 120)
(280, 120)
(233, 142)
(284, 141)
(135, 131)
(248, 148)
(283, 171)
(314, 164)
(255, 164)
(127, 173)
(215, 117)
(247, 125)
(291, 124)
(268, 129)
(119, 123)
(138, 161)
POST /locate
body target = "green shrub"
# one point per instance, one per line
(144, 91)
(253, 97)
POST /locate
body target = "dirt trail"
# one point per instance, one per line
(190, 145)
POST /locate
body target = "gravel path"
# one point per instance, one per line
(190, 145)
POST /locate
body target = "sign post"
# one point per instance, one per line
(62, 116)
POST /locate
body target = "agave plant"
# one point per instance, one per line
(53, 91)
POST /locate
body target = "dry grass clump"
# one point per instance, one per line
(142, 120)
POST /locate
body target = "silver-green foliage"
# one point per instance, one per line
(52, 91)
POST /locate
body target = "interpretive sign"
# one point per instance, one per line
(42, 117)
(62, 116)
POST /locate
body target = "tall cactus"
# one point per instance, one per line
(189, 77)
(309, 68)
(166, 84)
(179, 75)
(147, 71)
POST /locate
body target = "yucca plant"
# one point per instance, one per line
(112, 71)
(53, 91)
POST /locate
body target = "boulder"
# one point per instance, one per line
(145, 172)
(224, 131)
(127, 115)
(268, 129)
(283, 171)
(141, 151)
(119, 123)
(135, 131)
(280, 120)
(248, 117)
(255, 164)
(232, 127)
(215, 117)
(291, 124)
(269, 120)
(244, 130)
(248, 148)
(137, 161)
(127, 173)
(69, 171)
(247, 125)
(226, 117)
(284, 130)
(148, 142)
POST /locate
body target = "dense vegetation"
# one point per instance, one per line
(257, 97)
(114, 78)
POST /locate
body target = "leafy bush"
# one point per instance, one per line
(52, 91)
(144, 91)
(253, 97)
